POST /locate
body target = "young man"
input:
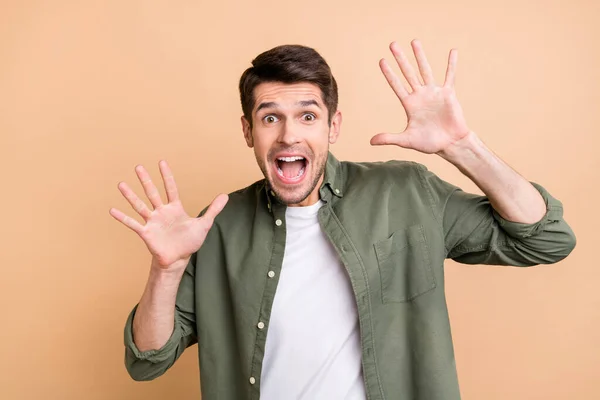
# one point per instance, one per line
(325, 280)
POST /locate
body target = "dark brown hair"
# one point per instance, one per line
(289, 64)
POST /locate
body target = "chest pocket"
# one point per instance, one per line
(404, 265)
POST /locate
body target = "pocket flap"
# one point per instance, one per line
(404, 266)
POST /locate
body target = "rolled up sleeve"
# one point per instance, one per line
(475, 233)
(148, 365)
(554, 213)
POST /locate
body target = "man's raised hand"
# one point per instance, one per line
(435, 117)
(170, 234)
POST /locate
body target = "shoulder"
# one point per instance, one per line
(248, 195)
(392, 171)
(397, 176)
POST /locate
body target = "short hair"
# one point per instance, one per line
(288, 64)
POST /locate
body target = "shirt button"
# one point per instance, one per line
(252, 380)
(261, 325)
(278, 222)
(271, 274)
(337, 191)
(344, 248)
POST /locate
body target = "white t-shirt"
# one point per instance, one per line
(313, 341)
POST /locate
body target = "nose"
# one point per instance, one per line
(289, 134)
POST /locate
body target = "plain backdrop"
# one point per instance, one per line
(89, 89)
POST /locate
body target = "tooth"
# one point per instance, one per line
(290, 159)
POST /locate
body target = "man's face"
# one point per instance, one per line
(291, 135)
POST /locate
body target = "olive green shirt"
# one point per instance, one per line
(392, 224)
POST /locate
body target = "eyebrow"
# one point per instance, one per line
(306, 103)
(272, 104)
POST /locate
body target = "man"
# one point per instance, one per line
(325, 280)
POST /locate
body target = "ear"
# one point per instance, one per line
(247, 132)
(336, 125)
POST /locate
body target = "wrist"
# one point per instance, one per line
(165, 275)
(463, 151)
(176, 266)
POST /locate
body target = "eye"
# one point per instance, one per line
(309, 117)
(269, 119)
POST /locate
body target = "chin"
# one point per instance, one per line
(290, 196)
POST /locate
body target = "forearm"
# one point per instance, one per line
(511, 195)
(153, 323)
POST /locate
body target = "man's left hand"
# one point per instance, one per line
(435, 117)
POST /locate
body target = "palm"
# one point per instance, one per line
(170, 234)
(435, 117)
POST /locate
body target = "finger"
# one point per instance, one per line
(393, 80)
(169, 181)
(127, 221)
(136, 203)
(149, 187)
(398, 139)
(216, 207)
(407, 70)
(451, 70)
(424, 67)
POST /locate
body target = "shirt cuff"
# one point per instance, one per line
(554, 212)
(153, 356)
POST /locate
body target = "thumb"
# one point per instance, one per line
(216, 207)
(398, 139)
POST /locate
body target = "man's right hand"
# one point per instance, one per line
(170, 234)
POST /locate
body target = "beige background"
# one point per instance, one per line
(90, 89)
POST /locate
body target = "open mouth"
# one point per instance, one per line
(291, 169)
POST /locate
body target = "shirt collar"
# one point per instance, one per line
(334, 178)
